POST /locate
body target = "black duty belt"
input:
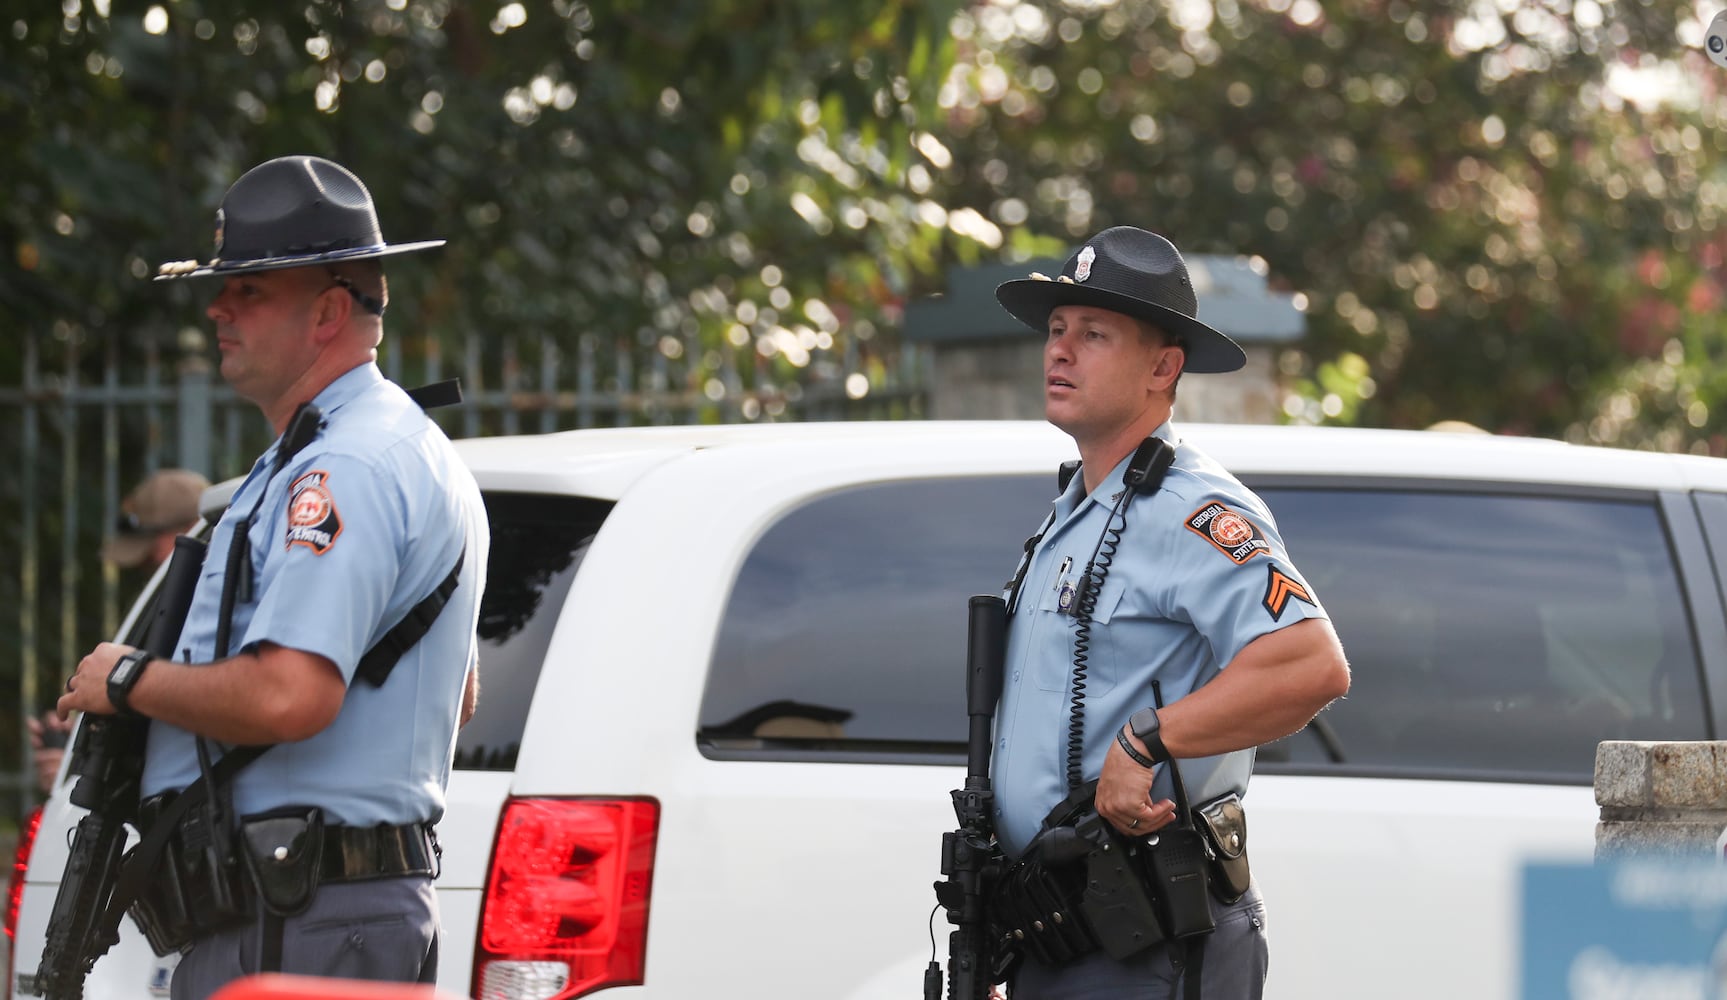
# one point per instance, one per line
(352, 853)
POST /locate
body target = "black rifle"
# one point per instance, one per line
(970, 859)
(108, 757)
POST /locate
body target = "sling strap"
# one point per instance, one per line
(1193, 970)
(376, 665)
(435, 394)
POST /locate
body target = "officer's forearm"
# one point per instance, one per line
(470, 695)
(1275, 685)
(273, 695)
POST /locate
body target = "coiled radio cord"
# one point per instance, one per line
(1084, 608)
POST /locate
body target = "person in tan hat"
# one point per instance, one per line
(161, 507)
(164, 505)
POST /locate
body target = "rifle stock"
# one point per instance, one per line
(108, 757)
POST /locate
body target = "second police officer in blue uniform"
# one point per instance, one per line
(358, 518)
(1181, 593)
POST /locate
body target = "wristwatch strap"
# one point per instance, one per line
(128, 668)
(1126, 744)
(1146, 725)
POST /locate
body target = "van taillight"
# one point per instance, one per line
(566, 905)
(15, 888)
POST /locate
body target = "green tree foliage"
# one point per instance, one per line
(705, 199)
(637, 180)
(1482, 223)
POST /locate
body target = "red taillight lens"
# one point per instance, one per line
(566, 907)
(15, 889)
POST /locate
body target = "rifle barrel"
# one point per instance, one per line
(986, 655)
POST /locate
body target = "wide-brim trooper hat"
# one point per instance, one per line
(293, 211)
(1129, 271)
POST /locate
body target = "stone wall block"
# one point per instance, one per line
(1631, 774)
(1688, 775)
(1660, 799)
(1622, 774)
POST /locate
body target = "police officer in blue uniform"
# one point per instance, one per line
(1185, 595)
(352, 522)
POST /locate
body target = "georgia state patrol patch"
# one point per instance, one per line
(1235, 536)
(312, 518)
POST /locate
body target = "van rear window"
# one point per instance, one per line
(538, 543)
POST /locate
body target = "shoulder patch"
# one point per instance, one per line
(312, 518)
(1233, 535)
(1280, 589)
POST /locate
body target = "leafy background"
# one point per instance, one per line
(1501, 212)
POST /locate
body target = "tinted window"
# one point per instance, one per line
(1490, 635)
(537, 546)
(1493, 634)
(846, 628)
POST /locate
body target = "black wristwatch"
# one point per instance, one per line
(1145, 725)
(124, 677)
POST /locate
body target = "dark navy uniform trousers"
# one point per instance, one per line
(379, 929)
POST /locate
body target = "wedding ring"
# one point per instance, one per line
(1133, 823)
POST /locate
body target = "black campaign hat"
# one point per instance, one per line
(1130, 271)
(292, 212)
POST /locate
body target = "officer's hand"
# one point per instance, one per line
(87, 690)
(1124, 795)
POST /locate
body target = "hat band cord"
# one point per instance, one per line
(309, 255)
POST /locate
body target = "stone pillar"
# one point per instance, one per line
(1249, 396)
(195, 411)
(1664, 799)
(993, 380)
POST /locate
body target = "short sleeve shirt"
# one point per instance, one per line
(1197, 571)
(356, 529)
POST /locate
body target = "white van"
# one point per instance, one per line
(723, 700)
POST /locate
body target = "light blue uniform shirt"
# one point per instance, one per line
(1199, 573)
(358, 527)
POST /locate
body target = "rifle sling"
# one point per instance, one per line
(376, 664)
(374, 668)
(436, 394)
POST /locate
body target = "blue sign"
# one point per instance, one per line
(1627, 930)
